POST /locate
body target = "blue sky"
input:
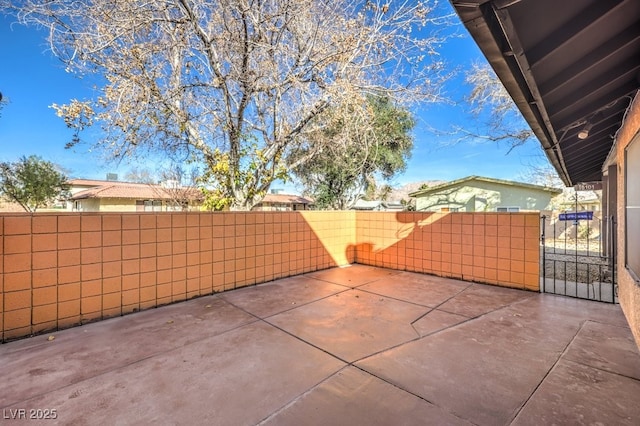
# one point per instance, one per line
(32, 79)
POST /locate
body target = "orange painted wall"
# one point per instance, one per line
(628, 289)
(493, 248)
(61, 270)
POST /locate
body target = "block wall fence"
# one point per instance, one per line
(493, 248)
(66, 269)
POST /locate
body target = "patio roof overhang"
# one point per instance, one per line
(568, 65)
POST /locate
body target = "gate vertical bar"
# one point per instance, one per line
(576, 225)
(544, 253)
(614, 250)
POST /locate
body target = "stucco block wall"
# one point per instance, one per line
(62, 270)
(628, 289)
(493, 248)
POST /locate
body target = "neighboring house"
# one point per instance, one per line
(571, 200)
(283, 202)
(482, 194)
(103, 195)
(10, 206)
(378, 205)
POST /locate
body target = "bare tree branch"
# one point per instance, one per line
(495, 117)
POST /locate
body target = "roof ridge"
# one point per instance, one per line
(484, 179)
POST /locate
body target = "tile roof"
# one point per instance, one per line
(138, 191)
(377, 204)
(93, 182)
(286, 199)
(483, 179)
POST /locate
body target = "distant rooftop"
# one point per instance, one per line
(286, 199)
(114, 189)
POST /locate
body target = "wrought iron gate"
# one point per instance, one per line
(578, 257)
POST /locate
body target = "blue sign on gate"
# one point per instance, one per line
(576, 216)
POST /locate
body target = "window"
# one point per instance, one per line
(449, 209)
(153, 206)
(632, 207)
(174, 206)
(148, 205)
(508, 209)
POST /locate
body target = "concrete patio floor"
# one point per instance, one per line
(356, 345)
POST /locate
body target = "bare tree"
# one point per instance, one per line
(179, 185)
(140, 175)
(492, 107)
(487, 91)
(543, 175)
(2, 103)
(235, 84)
(174, 183)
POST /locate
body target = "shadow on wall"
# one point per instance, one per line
(483, 195)
(493, 248)
(61, 270)
(453, 199)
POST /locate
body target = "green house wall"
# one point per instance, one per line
(480, 196)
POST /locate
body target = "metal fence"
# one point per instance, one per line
(578, 256)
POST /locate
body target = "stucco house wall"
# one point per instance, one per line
(120, 205)
(88, 205)
(117, 205)
(476, 194)
(628, 287)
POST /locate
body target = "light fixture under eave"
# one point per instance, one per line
(584, 133)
